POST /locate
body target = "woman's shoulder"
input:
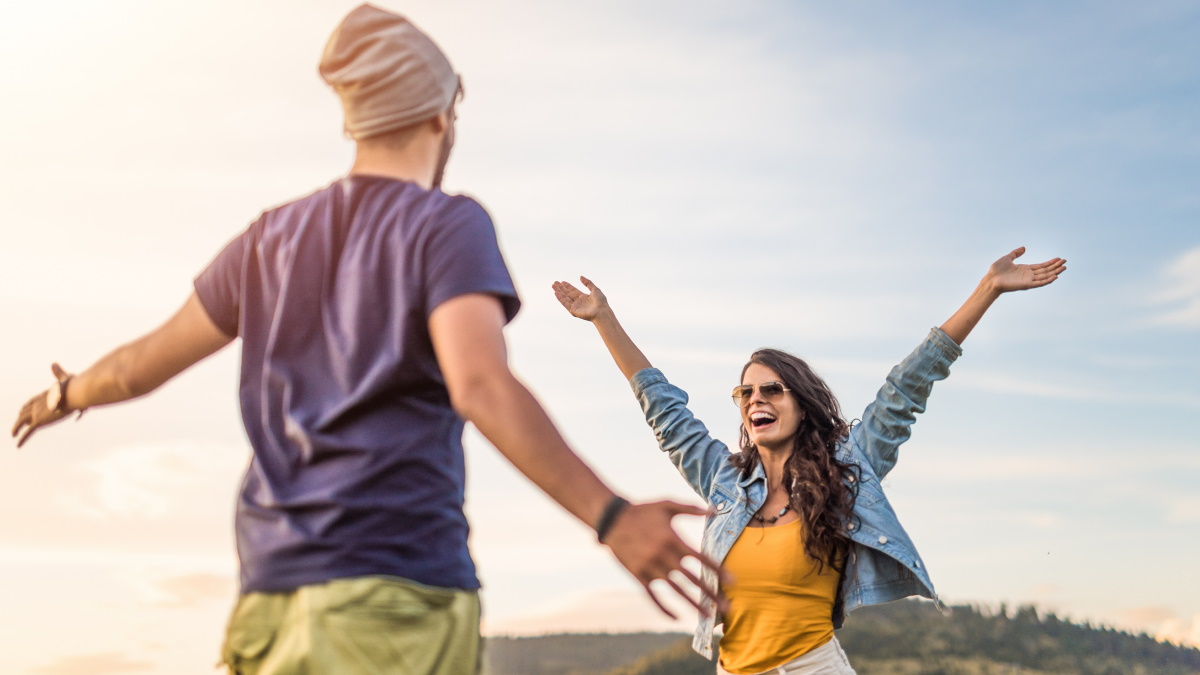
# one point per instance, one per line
(727, 479)
(850, 452)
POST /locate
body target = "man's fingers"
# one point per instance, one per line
(687, 551)
(644, 542)
(682, 549)
(650, 592)
(713, 593)
(588, 282)
(1016, 253)
(58, 371)
(678, 509)
(26, 435)
(682, 593)
(24, 417)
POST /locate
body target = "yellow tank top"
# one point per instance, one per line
(779, 607)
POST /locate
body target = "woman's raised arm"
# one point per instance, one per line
(594, 307)
(693, 450)
(1003, 276)
(887, 421)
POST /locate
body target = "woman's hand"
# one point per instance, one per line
(594, 307)
(1003, 276)
(1006, 275)
(582, 305)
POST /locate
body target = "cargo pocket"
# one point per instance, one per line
(251, 632)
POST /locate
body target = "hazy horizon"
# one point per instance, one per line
(830, 180)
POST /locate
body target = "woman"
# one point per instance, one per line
(798, 515)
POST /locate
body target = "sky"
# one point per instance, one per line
(829, 179)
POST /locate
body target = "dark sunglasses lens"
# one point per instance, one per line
(771, 389)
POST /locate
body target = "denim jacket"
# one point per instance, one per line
(883, 564)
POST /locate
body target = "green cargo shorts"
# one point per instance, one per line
(357, 626)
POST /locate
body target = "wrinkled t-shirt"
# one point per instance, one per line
(358, 463)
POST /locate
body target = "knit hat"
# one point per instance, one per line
(387, 72)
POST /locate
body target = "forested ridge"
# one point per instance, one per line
(902, 638)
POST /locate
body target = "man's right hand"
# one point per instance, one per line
(467, 337)
(643, 540)
(37, 412)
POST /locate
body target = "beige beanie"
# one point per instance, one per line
(388, 73)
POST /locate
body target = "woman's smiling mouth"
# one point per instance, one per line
(760, 419)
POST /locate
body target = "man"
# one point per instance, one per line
(371, 316)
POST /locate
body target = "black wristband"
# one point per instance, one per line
(609, 516)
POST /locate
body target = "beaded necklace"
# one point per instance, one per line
(772, 519)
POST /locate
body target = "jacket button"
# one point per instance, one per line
(851, 478)
(719, 505)
(882, 539)
(917, 564)
(849, 526)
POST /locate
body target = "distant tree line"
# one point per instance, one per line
(901, 638)
(573, 653)
(1023, 638)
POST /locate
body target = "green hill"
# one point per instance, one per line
(901, 638)
(572, 654)
(913, 637)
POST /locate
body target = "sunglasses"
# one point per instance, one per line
(769, 390)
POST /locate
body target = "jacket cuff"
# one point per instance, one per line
(939, 339)
(644, 378)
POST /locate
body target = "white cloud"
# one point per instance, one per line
(1010, 384)
(152, 482)
(1163, 623)
(1184, 510)
(107, 663)
(597, 611)
(178, 587)
(192, 589)
(979, 466)
(1034, 461)
(1042, 387)
(1040, 520)
(1180, 631)
(1182, 279)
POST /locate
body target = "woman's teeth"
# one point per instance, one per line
(761, 419)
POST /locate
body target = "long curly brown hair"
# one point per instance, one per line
(823, 489)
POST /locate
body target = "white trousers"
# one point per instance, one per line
(828, 659)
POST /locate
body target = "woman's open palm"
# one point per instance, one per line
(586, 306)
(1007, 275)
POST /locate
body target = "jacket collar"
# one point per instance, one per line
(758, 474)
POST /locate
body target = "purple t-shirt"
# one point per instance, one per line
(358, 460)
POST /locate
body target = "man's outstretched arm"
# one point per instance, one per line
(129, 371)
(467, 336)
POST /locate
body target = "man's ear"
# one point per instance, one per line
(441, 122)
